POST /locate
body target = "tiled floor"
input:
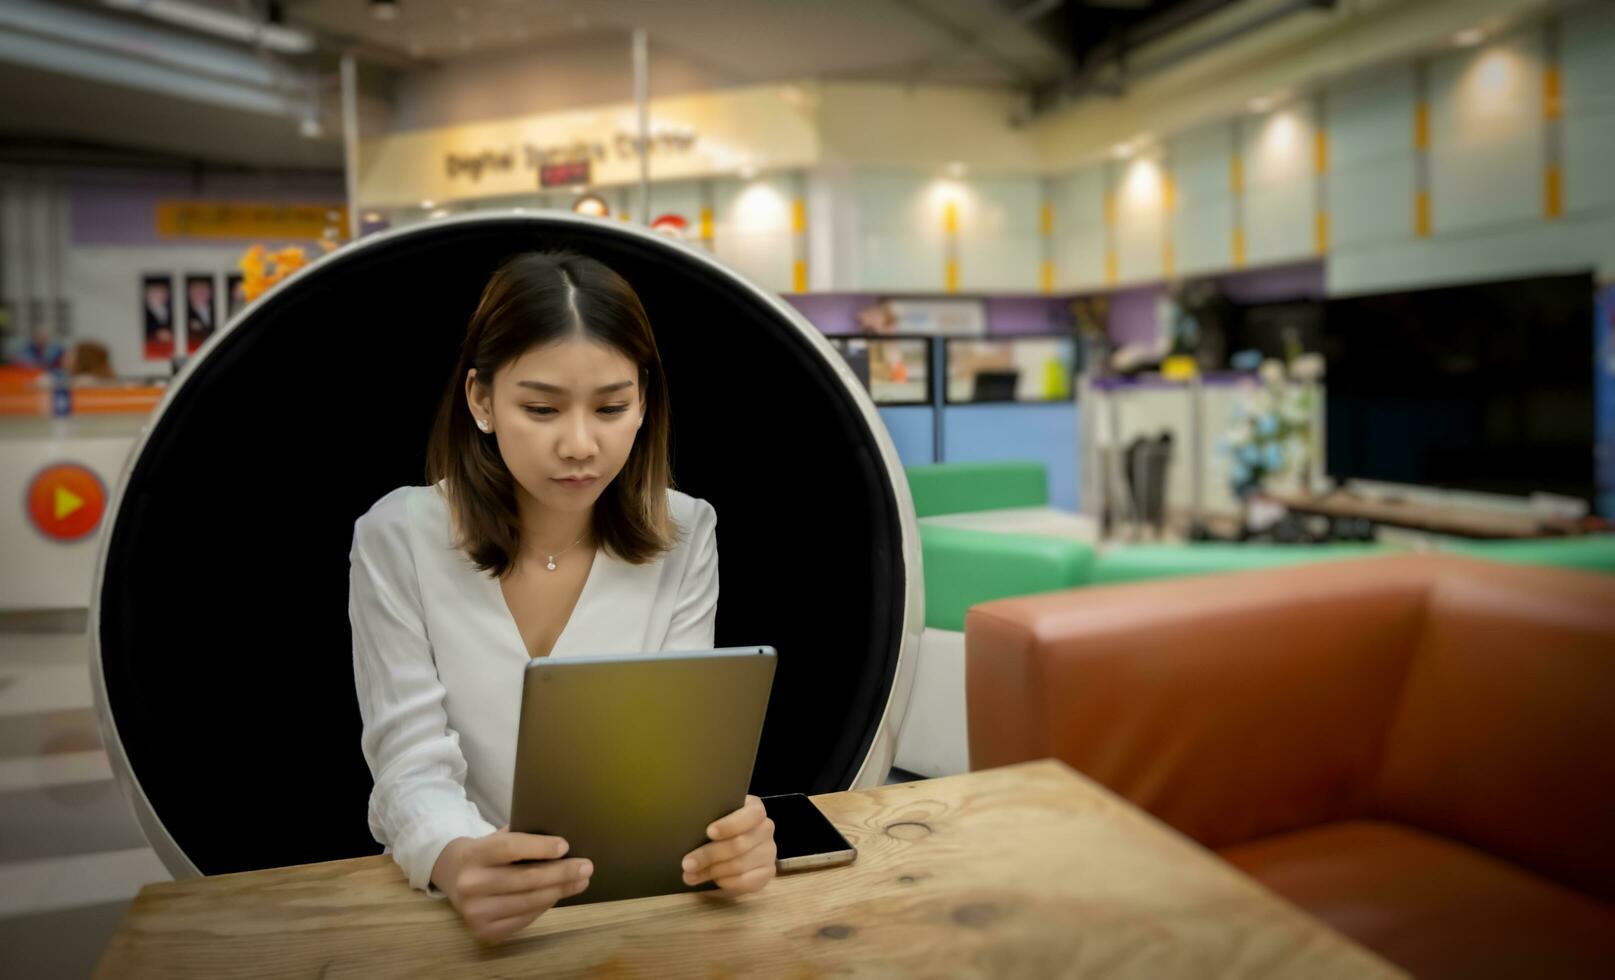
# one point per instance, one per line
(72, 855)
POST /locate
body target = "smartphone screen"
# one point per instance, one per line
(800, 830)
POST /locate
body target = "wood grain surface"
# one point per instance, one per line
(1025, 871)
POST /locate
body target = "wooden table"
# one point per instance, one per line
(1470, 522)
(1029, 870)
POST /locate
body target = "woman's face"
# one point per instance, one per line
(565, 417)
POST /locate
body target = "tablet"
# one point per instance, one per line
(631, 757)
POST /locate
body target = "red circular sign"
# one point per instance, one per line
(66, 501)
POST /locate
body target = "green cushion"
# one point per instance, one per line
(955, 488)
(963, 568)
(1592, 553)
(1141, 562)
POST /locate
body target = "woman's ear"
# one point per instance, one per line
(479, 399)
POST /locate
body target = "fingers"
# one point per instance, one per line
(726, 850)
(491, 919)
(747, 882)
(750, 814)
(518, 878)
(503, 848)
(761, 856)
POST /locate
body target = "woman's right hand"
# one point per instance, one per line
(497, 897)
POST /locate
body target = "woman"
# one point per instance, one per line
(550, 530)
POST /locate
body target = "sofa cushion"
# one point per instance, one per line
(963, 568)
(1433, 906)
(1143, 562)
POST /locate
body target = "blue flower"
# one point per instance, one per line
(1267, 425)
(1250, 454)
(1273, 457)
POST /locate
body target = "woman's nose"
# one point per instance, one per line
(577, 440)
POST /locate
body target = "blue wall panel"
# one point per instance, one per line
(1046, 433)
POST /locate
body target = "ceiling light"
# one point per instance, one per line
(956, 169)
(428, 204)
(384, 9)
(221, 23)
(1469, 37)
(372, 217)
(439, 213)
(748, 172)
(1262, 103)
(1121, 151)
(310, 127)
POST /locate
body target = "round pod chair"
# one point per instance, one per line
(221, 652)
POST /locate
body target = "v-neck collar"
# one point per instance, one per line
(513, 630)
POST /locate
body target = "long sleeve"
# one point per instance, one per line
(419, 803)
(695, 614)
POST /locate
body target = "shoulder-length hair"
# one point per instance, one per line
(532, 300)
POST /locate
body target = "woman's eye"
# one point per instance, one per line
(614, 410)
(540, 410)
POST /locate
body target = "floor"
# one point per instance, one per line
(72, 856)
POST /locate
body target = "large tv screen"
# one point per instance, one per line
(1486, 387)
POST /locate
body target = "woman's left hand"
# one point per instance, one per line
(741, 856)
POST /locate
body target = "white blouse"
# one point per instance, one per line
(438, 660)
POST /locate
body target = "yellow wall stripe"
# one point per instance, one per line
(1421, 214)
(1110, 267)
(950, 218)
(799, 280)
(1320, 152)
(1421, 127)
(706, 224)
(1169, 193)
(1110, 209)
(798, 215)
(1552, 102)
(1553, 192)
(1321, 231)
(1237, 175)
(950, 275)
(1239, 247)
(1046, 219)
(1046, 276)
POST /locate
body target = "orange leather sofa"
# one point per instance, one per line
(1418, 750)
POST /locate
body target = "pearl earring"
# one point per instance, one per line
(483, 425)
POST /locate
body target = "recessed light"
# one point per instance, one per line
(956, 169)
(1262, 103)
(1121, 151)
(371, 216)
(439, 213)
(1469, 37)
(384, 9)
(428, 204)
(310, 127)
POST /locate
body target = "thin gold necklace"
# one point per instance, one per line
(550, 564)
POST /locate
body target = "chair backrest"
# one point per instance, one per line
(1504, 737)
(957, 488)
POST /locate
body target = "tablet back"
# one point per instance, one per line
(630, 758)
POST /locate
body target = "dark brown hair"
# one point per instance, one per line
(536, 299)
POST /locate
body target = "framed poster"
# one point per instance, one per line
(235, 295)
(157, 306)
(201, 313)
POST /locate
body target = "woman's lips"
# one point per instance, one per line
(576, 482)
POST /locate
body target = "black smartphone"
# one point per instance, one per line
(804, 837)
